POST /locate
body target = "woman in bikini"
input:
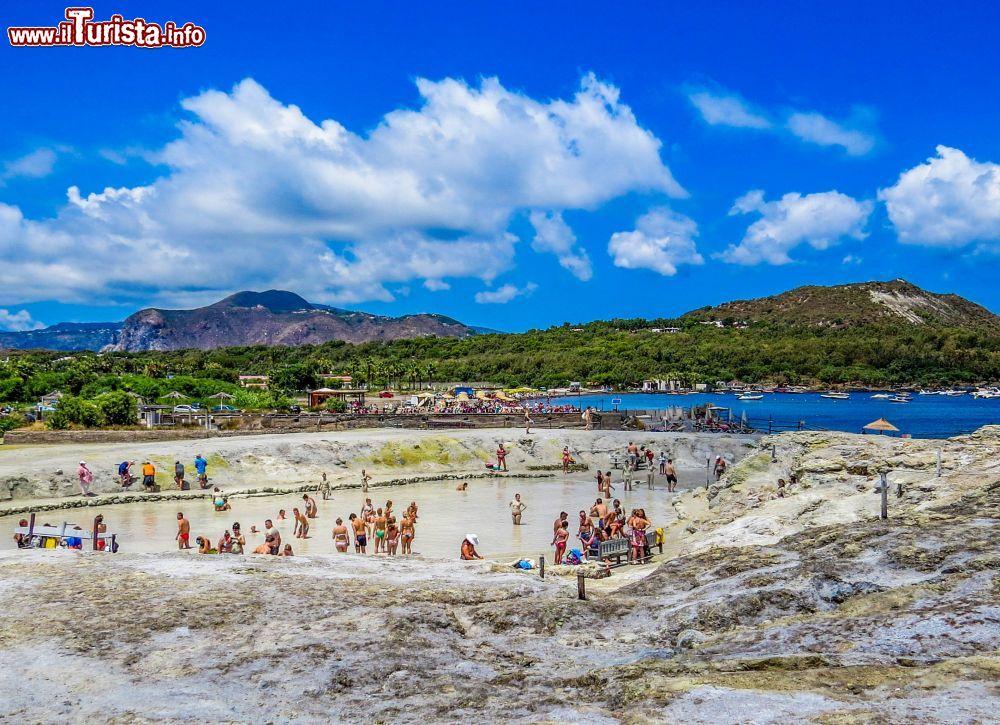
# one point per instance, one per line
(407, 532)
(392, 536)
(341, 539)
(638, 523)
(560, 539)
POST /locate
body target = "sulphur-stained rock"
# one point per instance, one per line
(689, 638)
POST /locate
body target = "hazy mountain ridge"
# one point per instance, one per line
(274, 317)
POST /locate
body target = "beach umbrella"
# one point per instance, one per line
(882, 425)
(175, 395)
(222, 396)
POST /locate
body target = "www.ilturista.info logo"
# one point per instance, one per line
(80, 28)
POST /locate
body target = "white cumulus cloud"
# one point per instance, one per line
(950, 200)
(257, 195)
(661, 241)
(504, 294)
(18, 321)
(553, 234)
(819, 220)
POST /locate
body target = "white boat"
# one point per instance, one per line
(750, 396)
(952, 393)
(881, 396)
(986, 393)
(899, 399)
(836, 396)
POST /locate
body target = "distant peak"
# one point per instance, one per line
(274, 300)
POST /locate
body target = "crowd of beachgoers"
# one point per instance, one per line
(378, 530)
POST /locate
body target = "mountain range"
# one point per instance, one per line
(275, 317)
(278, 317)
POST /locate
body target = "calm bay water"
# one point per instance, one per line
(927, 416)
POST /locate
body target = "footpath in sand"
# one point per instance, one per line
(799, 608)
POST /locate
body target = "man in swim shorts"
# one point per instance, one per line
(183, 532)
(671, 473)
(301, 528)
(270, 531)
(380, 527)
(360, 533)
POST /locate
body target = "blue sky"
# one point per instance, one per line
(626, 159)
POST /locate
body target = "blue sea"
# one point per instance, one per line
(927, 416)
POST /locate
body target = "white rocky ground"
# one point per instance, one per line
(292, 459)
(804, 608)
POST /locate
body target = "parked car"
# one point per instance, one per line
(185, 409)
(385, 394)
(225, 409)
(295, 409)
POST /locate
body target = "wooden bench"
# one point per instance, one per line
(614, 549)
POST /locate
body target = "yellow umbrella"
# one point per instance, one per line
(881, 425)
(463, 396)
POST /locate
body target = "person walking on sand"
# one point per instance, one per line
(86, 477)
(527, 422)
(365, 478)
(663, 463)
(501, 457)
(517, 506)
(301, 528)
(588, 419)
(201, 468)
(360, 533)
(179, 474)
(183, 532)
(341, 539)
(671, 473)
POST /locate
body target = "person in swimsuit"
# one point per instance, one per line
(301, 528)
(239, 541)
(502, 456)
(407, 532)
(183, 532)
(663, 463)
(324, 488)
(225, 545)
(411, 511)
(638, 523)
(600, 481)
(527, 423)
(557, 524)
(270, 531)
(392, 536)
(462, 486)
(671, 473)
(720, 467)
(341, 539)
(560, 539)
(281, 515)
(626, 479)
(517, 506)
(380, 524)
(311, 510)
(388, 509)
(266, 547)
(360, 533)
(365, 478)
(566, 459)
(608, 488)
(588, 535)
(220, 501)
(287, 551)
(204, 545)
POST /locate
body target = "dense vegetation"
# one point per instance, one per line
(618, 352)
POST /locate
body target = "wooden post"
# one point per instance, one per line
(708, 472)
(541, 567)
(31, 526)
(885, 496)
(581, 587)
(774, 453)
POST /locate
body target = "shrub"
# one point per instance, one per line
(75, 411)
(10, 422)
(118, 408)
